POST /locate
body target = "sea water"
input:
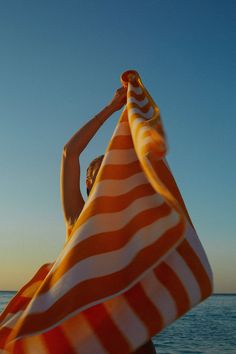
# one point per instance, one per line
(209, 328)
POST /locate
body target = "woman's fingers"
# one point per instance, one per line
(119, 98)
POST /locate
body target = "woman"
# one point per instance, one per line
(72, 200)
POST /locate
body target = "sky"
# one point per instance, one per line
(60, 65)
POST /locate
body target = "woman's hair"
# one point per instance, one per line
(91, 167)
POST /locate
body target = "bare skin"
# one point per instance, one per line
(72, 200)
(71, 196)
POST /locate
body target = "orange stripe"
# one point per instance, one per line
(98, 288)
(18, 348)
(35, 344)
(71, 327)
(157, 139)
(156, 142)
(18, 302)
(174, 285)
(192, 260)
(157, 146)
(144, 309)
(106, 242)
(121, 142)
(106, 330)
(155, 150)
(123, 117)
(56, 341)
(115, 204)
(4, 333)
(168, 180)
(119, 172)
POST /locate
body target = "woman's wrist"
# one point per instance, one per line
(105, 113)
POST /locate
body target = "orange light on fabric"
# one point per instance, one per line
(132, 259)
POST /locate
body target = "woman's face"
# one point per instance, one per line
(90, 181)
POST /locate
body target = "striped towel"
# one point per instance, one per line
(133, 263)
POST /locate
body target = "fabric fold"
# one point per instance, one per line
(133, 263)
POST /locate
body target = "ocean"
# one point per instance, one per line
(209, 328)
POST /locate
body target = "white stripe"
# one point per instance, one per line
(147, 115)
(138, 90)
(11, 319)
(84, 339)
(136, 122)
(120, 157)
(192, 238)
(122, 129)
(179, 266)
(160, 297)
(140, 103)
(196, 245)
(104, 264)
(35, 345)
(117, 220)
(98, 223)
(127, 321)
(141, 130)
(138, 133)
(114, 188)
(121, 126)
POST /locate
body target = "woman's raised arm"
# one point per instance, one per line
(72, 200)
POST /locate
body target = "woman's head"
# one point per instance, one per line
(92, 172)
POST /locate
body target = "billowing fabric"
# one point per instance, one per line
(133, 263)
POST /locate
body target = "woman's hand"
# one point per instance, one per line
(119, 99)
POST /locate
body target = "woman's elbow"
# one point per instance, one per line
(68, 151)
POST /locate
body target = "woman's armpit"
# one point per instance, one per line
(69, 228)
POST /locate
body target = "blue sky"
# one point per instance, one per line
(60, 65)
